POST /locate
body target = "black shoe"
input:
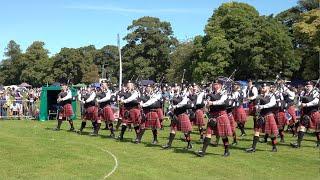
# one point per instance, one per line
(154, 142)
(119, 138)
(167, 146)
(189, 146)
(112, 135)
(79, 132)
(282, 140)
(93, 134)
(105, 128)
(200, 153)
(250, 150)
(136, 141)
(263, 141)
(226, 154)
(71, 129)
(244, 134)
(295, 145)
(214, 144)
(56, 129)
(274, 149)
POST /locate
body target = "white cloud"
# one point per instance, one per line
(133, 10)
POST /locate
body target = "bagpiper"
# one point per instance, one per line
(218, 122)
(309, 101)
(179, 118)
(65, 111)
(265, 118)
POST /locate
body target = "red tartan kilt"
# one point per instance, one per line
(121, 112)
(232, 122)
(252, 110)
(152, 120)
(107, 114)
(315, 121)
(223, 127)
(240, 115)
(199, 120)
(67, 111)
(135, 115)
(183, 125)
(91, 113)
(281, 119)
(270, 127)
(292, 111)
(160, 113)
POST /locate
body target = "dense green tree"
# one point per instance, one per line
(149, 44)
(36, 65)
(238, 38)
(11, 67)
(107, 61)
(182, 59)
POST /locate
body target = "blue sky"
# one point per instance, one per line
(76, 23)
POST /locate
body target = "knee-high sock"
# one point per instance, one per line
(136, 129)
(59, 123)
(274, 141)
(71, 123)
(111, 128)
(123, 129)
(225, 144)
(241, 127)
(201, 132)
(281, 134)
(96, 131)
(94, 123)
(83, 125)
(155, 134)
(300, 137)
(234, 137)
(254, 141)
(206, 142)
(171, 138)
(188, 137)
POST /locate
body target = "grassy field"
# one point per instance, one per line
(31, 150)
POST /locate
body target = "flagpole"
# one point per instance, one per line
(120, 63)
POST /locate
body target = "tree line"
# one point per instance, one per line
(236, 37)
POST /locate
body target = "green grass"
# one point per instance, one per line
(31, 150)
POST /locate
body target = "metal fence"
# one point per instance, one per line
(18, 109)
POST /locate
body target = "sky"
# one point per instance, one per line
(76, 23)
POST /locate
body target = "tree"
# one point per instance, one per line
(72, 63)
(238, 38)
(10, 69)
(148, 47)
(307, 33)
(91, 75)
(181, 59)
(36, 65)
(107, 61)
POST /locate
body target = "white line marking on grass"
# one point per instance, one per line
(114, 167)
(97, 147)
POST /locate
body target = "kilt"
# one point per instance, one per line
(67, 111)
(183, 124)
(160, 113)
(281, 119)
(292, 111)
(199, 120)
(271, 127)
(121, 111)
(107, 114)
(91, 113)
(240, 115)
(223, 127)
(232, 122)
(252, 110)
(135, 115)
(315, 121)
(152, 120)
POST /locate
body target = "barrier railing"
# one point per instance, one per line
(18, 109)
